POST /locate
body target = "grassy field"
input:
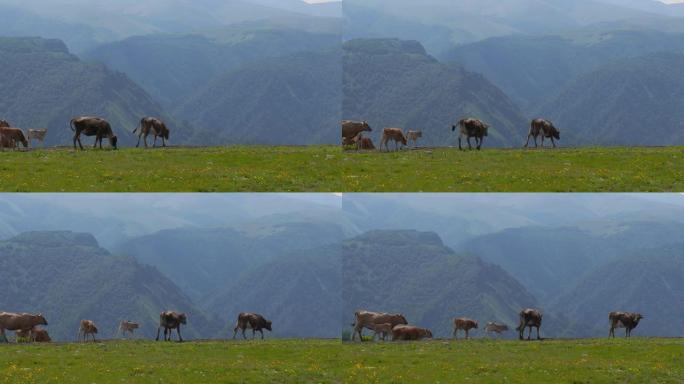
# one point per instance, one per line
(318, 361)
(328, 169)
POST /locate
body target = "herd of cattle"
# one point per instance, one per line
(353, 134)
(28, 326)
(11, 138)
(395, 325)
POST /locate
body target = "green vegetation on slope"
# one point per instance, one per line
(636, 360)
(326, 169)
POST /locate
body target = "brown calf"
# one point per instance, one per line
(464, 324)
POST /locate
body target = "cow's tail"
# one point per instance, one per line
(71, 125)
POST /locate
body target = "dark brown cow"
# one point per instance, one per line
(471, 128)
(39, 335)
(9, 137)
(92, 126)
(529, 318)
(154, 126)
(351, 129)
(366, 319)
(626, 320)
(253, 321)
(410, 333)
(170, 320)
(394, 134)
(545, 129)
(86, 328)
(19, 322)
(464, 324)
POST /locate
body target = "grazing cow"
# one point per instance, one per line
(464, 324)
(395, 134)
(39, 335)
(92, 126)
(37, 134)
(127, 327)
(154, 126)
(255, 322)
(169, 321)
(86, 328)
(19, 322)
(626, 320)
(414, 136)
(497, 328)
(351, 129)
(471, 128)
(545, 129)
(529, 318)
(363, 143)
(366, 319)
(383, 330)
(410, 333)
(9, 137)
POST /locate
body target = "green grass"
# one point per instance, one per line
(328, 169)
(317, 361)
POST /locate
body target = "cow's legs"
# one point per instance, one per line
(460, 140)
(244, 335)
(481, 141)
(180, 337)
(154, 145)
(4, 336)
(467, 334)
(235, 332)
(553, 142)
(538, 336)
(139, 137)
(262, 333)
(145, 140)
(470, 145)
(542, 141)
(158, 330)
(455, 334)
(164, 142)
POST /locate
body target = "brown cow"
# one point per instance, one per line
(414, 136)
(351, 129)
(37, 134)
(127, 327)
(465, 324)
(19, 322)
(9, 137)
(471, 128)
(154, 126)
(39, 335)
(395, 134)
(626, 320)
(529, 318)
(545, 129)
(410, 333)
(92, 126)
(497, 328)
(86, 328)
(253, 321)
(383, 330)
(170, 320)
(366, 319)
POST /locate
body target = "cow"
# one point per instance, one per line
(170, 320)
(366, 319)
(19, 322)
(414, 136)
(497, 328)
(529, 318)
(39, 335)
(87, 327)
(410, 333)
(9, 137)
(464, 324)
(37, 134)
(383, 330)
(127, 326)
(626, 320)
(253, 321)
(471, 128)
(365, 144)
(92, 126)
(395, 134)
(545, 129)
(154, 126)
(351, 129)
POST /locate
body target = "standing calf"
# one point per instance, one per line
(253, 321)
(395, 134)
(545, 129)
(127, 327)
(86, 328)
(529, 318)
(626, 320)
(170, 320)
(414, 136)
(464, 324)
(37, 134)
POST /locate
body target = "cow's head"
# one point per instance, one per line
(402, 320)
(268, 325)
(556, 133)
(477, 325)
(40, 319)
(367, 127)
(114, 141)
(485, 131)
(183, 318)
(428, 334)
(637, 317)
(94, 329)
(166, 134)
